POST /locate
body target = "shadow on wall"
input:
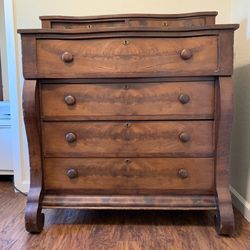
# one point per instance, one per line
(240, 150)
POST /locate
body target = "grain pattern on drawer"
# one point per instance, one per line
(130, 176)
(127, 56)
(72, 139)
(167, 23)
(140, 22)
(89, 25)
(85, 101)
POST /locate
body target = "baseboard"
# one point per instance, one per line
(23, 186)
(240, 203)
(6, 172)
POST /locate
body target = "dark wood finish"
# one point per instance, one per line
(29, 55)
(1, 81)
(34, 219)
(116, 229)
(131, 202)
(225, 216)
(145, 31)
(140, 55)
(132, 139)
(134, 20)
(130, 176)
(128, 99)
(114, 63)
(129, 116)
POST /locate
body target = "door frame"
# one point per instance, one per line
(14, 72)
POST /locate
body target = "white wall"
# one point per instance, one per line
(27, 11)
(240, 162)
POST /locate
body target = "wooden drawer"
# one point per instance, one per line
(139, 22)
(167, 23)
(126, 139)
(129, 176)
(156, 100)
(127, 56)
(130, 20)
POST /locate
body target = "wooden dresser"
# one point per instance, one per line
(129, 112)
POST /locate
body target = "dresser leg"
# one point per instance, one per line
(224, 218)
(34, 218)
(223, 117)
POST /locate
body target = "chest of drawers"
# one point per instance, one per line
(127, 112)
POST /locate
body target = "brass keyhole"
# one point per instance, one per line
(127, 125)
(125, 86)
(127, 161)
(165, 24)
(125, 42)
(89, 26)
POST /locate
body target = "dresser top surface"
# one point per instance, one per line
(131, 15)
(131, 29)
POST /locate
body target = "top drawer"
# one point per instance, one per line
(127, 57)
(130, 20)
(139, 22)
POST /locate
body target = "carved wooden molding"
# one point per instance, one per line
(225, 216)
(34, 219)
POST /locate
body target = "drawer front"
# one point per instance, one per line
(130, 176)
(183, 99)
(97, 139)
(168, 23)
(133, 22)
(89, 25)
(126, 57)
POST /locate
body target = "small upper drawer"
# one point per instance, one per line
(139, 22)
(123, 57)
(134, 20)
(165, 100)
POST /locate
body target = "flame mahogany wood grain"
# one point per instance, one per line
(93, 144)
(139, 56)
(128, 139)
(128, 99)
(34, 219)
(131, 176)
(45, 47)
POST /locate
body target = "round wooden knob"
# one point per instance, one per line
(72, 173)
(184, 137)
(183, 98)
(183, 173)
(186, 54)
(70, 99)
(67, 57)
(70, 137)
